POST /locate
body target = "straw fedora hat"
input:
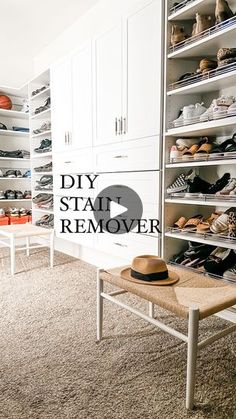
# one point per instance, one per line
(151, 270)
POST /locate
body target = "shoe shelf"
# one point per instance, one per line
(208, 42)
(41, 95)
(226, 159)
(41, 134)
(14, 114)
(213, 202)
(37, 121)
(41, 173)
(203, 272)
(14, 178)
(43, 211)
(42, 155)
(206, 238)
(209, 82)
(42, 114)
(192, 7)
(15, 200)
(13, 159)
(12, 133)
(219, 127)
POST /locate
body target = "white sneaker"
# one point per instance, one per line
(208, 114)
(178, 122)
(220, 111)
(225, 100)
(192, 113)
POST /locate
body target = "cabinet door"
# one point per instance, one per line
(108, 86)
(61, 105)
(142, 72)
(81, 63)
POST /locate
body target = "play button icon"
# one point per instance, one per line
(118, 208)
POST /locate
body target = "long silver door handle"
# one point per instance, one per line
(119, 121)
(124, 125)
(121, 125)
(116, 126)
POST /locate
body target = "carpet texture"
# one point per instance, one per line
(52, 367)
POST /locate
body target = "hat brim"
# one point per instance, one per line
(172, 278)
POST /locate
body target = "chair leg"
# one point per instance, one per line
(193, 325)
(99, 306)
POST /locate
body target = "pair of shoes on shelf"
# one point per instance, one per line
(194, 256)
(190, 114)
(46, 126)
(45, 168)
(45, 146)
(39, 90)
(46, 221)
(16, 212)
(13, 174)
(43, 200)
(12, 195)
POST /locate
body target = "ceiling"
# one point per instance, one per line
(27, 26)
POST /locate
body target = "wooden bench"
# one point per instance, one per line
(194, 297)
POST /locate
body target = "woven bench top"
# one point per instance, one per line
(192, 290)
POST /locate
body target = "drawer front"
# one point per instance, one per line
(77, 162)
(129, 157)
(128, 245)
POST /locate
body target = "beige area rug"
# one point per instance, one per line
(52, 367)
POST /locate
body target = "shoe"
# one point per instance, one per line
(175, 154)
(27, 174)
(46, 126)
(18, 173)
(232, 109)
(204, 226)
(220, 260)
(183, 143)
(22, 212)
(188, 154)
(45, 146)
(27, 195)
(198, 250)
(230, 274)
(25, 106)
(192, 113)
(231, 185)
(1, 173)
(180, 184)
(2, 195)
(10, 174)
(219, 185)
(9, 194)
(44, 107)
(2, 213)
(179, 122)
(19, 195)
(13, 212)
(46, 168)
(221, 224)
(203, 151)
(198, 185)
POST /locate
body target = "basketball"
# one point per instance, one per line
(5, 102)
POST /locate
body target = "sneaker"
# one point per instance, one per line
(25, 106)
(46, 126)
(208, 114)
(22, 212)
(220, 260)
(180, 184)
(231, 185)
(13, 212)
(2, 213)
(27, 195)
(10, 174)
(27, 174)
(1, 173)
(219, 185)
(19, 195)
(192, 113)
(230, 274)
(183, 143)
(45, 146)
(232, 109)
(179, 122)
(18, 173)
(9, 194)
(46, 168)
(219, 111)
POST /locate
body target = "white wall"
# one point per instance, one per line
(84, 28)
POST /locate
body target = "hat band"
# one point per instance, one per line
(150, 277)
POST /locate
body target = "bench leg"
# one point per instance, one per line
(193, 324)
(99, 306)
(27, 246)
(12, 255)
(151, 310)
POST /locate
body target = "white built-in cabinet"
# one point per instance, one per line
(72, 100)
(111, 88)
(128, 76)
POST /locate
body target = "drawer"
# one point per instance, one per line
(77, 162)
(129, 157)
(128, 245)
(145, 184)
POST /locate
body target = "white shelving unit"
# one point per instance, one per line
(36, 121)
(188, 57)
(10, 140)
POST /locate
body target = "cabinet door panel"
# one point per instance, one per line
(108, 85)
(61, 104)
(82, 98)
(143, 71)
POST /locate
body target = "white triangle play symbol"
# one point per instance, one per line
(116, 209)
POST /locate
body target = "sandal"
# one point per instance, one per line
(204, 226)
(203, 151)
(220, 225)
(191, 151)
(180, 223)
(193, 222)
